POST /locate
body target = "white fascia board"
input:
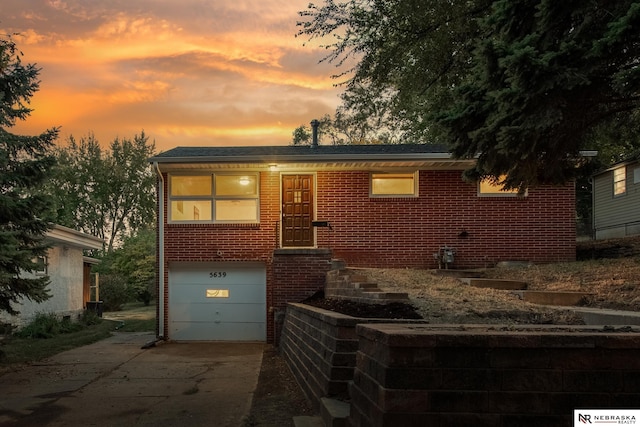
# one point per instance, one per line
(68, 236)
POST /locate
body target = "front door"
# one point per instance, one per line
(297, 210)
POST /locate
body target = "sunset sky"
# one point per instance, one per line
(187, 72)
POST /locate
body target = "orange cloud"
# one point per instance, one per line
(188, 73)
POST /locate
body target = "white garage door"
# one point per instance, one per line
(217, 302)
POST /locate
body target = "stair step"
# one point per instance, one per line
(307, 421)
(365, 285)
(508, 285)
(334, 412)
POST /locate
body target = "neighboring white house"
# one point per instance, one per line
(616, 200)
(67, 269)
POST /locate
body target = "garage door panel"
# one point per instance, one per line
(217, 301)
(222, 273)
(196, 331)
(248, 293)
(228, 313)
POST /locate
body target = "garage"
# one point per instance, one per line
(217, 302)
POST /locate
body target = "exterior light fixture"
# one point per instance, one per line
(273, 167)
(244, 180)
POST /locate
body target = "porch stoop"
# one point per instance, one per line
(345, 283)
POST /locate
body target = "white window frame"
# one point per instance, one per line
(43, 265)
(414, 174)
(619, 181)
(213, 198)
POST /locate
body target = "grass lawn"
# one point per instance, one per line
(133, 318)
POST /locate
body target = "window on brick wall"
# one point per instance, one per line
(620, 181)
(488, 187)
(394, 184)
(214, 198)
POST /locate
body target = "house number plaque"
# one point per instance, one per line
(217, 274)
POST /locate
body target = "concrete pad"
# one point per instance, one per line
(116, 383)
(600, 316)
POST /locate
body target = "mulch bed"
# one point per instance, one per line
(394, 310)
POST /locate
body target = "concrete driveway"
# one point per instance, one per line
(116, 383)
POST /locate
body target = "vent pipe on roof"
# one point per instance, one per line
(314, 132)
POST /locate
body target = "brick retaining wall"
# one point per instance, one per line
(320, 348)
(419, 375)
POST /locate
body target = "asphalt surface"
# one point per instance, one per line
(115, 382)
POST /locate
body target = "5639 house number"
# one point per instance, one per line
(217, 274)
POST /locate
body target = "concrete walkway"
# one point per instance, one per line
(116, 383)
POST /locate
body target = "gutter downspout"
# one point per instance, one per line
(160, 253)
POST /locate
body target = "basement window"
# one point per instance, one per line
(490, 187)
(394, 184)
(214, 198)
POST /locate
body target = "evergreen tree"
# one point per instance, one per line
(25, 163)
(547, 74)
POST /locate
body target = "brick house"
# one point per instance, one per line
(244, 230)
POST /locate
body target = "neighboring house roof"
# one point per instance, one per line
(404, 155)
(630, 160)
(68, 236)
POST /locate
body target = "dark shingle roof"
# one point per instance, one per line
(292, 152)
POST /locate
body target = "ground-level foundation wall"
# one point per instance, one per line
(320, 348)
(419, 375)
(296, 274)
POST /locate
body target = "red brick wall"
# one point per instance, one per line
(385, 232)
(405, 232)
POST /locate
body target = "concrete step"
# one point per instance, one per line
(338, 264)
(552, 298)
(364, 285)
(508, 285)
(357, 278)
(307, 421)
(334, 413)
(603, 316)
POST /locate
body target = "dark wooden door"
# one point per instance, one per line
(297, 210)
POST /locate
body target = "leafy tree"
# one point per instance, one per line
(109, 193)
(25, 164)
(523, 84)
(134, 262)
(399, 60)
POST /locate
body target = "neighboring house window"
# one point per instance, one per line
(619, 181)
(636, 175)
(223, 198)
(487, 187)
(41, 268)
(394, 184)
